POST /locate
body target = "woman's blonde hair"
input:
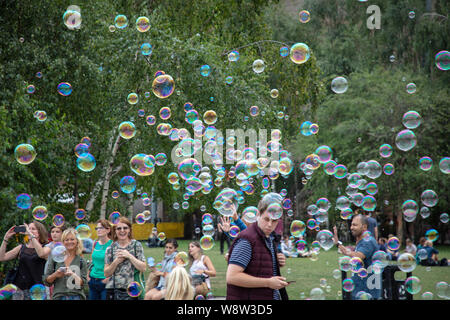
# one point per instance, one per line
(75, 234)
(179, 286)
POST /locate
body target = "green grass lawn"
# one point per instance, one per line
(307, 273)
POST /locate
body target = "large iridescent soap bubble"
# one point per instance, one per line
(226, 202)
(142, 164)
(429, 198)
(442, 60)
(87, 163)
(128, 184)
(411, 119)
(274, 210)
(250, 214)
(258, 66)
(444, 165)
(127, 130)
(25, 153)
(405, 140)
(325, 238)
(299, 53)
(163, 86)
(142, 24)
(72, 19)
(339, 85)
(64, 89)
(189, 168)
(23, 201)
(121, 21)
(406, 262)
(374, 169)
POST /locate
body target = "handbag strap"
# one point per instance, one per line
(16, 261)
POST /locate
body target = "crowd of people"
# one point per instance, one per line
(118, 262)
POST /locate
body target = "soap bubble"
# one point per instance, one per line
(258, 66)
(121, 21)
(142, 24)
(58, 254)
(87, 163)
(23, 201)
(163, 86)
(206, 242)
(72, 19)
(205, 70)
(127, 130)
(325, 238)
(411, 119)
(442, 60)
(39, 213)
(233, 56)
(406, 262)
(64, 89)
(250, 214)
(128, 184)
(429, 198)
(339, 85)
(444, 165)
(406, 140)
(25, 153)
(304, 16)
(146, 49)
(297, 228)
(425, 163)
(393, 243)
(385, 150)
(299, 53)
(411, 88)
(38, 292)
(432, 235)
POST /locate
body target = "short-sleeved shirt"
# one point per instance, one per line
(98, 260)
(242, 254)
(124, 273)
(67, 285)
(372, 225)
(367, 247)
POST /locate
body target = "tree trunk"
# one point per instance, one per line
(130, 205)
(105, 179)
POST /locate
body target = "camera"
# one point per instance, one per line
(20, 229)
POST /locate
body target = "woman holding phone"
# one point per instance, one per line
(68, 274)
(31, 257)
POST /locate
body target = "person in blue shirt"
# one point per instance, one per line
(226, 223)
(365, 248)
(432, 256)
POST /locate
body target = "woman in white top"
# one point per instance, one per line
(201, 266)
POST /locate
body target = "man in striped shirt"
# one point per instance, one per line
(254, 264)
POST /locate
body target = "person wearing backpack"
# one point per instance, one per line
(67, 273)
(96, 276)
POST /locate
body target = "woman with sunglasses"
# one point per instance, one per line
(122, 259)
(96, 277)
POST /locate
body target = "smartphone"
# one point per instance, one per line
(19, 229)
(62, 269)
(289, 282)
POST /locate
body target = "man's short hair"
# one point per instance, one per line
(363, 219)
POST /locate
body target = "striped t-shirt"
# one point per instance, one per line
(242, 254)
